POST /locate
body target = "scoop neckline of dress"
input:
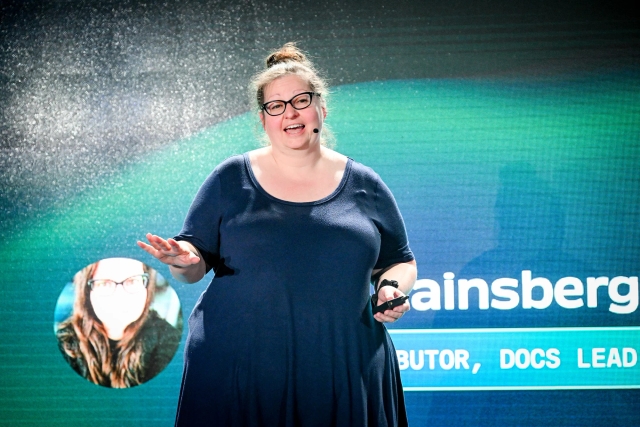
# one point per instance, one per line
(334, 193)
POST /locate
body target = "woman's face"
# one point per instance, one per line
(294, 128)
(122, 307)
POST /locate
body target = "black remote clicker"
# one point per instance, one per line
(388, 305)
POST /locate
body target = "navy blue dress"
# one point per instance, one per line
(284, 334)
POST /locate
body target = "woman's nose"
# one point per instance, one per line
(119, 291)
(289, 111)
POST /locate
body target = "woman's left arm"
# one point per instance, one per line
(405, 273)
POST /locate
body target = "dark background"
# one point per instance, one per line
(88, 85)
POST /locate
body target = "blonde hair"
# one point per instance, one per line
(286, 61)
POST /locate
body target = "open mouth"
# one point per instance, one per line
(294, 128)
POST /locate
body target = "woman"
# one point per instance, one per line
(284, 335)
(112, 337)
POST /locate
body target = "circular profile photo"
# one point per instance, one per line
(118, 323)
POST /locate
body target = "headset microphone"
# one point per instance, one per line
(315, 130)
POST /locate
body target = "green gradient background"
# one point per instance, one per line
(439, 144)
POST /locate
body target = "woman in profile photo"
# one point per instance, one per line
(112, 338)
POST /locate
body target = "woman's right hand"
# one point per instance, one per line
(169, 251)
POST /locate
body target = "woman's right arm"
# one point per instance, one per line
(184, 260)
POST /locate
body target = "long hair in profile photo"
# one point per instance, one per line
(83, 337)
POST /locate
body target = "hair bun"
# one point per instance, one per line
(287, 53)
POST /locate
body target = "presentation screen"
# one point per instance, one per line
(510, 138)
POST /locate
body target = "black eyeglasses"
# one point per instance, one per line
(107, 287)
(299, 102)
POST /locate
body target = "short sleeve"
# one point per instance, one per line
(394, 244)
(201, 227)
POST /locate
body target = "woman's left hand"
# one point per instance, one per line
(387, 293)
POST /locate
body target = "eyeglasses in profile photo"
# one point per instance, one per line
(107, 287)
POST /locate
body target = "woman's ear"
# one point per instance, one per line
(324, 113)
(261, 114)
